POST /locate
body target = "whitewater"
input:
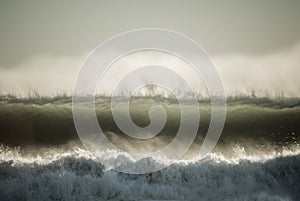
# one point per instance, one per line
(57, 174)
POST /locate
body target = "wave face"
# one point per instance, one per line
(78, 175)
(48, 121)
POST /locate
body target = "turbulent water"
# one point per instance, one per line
(257, 157)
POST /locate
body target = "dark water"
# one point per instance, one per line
(257, 156)
(49, 121)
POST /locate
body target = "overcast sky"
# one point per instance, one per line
(30, 28)
(55, 36)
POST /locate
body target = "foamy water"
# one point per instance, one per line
(54, 174)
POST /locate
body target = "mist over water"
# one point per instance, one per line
(272, 74)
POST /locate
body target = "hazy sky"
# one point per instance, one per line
(255, 44)
(30, 28)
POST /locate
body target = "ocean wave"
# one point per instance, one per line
(256, 158)
(256, 121)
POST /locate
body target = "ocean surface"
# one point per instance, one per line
(256, 158)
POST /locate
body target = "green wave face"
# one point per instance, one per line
(255, 123)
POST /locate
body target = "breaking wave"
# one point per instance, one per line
(257, 156)
(79, 175)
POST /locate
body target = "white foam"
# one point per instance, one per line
(78, 175)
